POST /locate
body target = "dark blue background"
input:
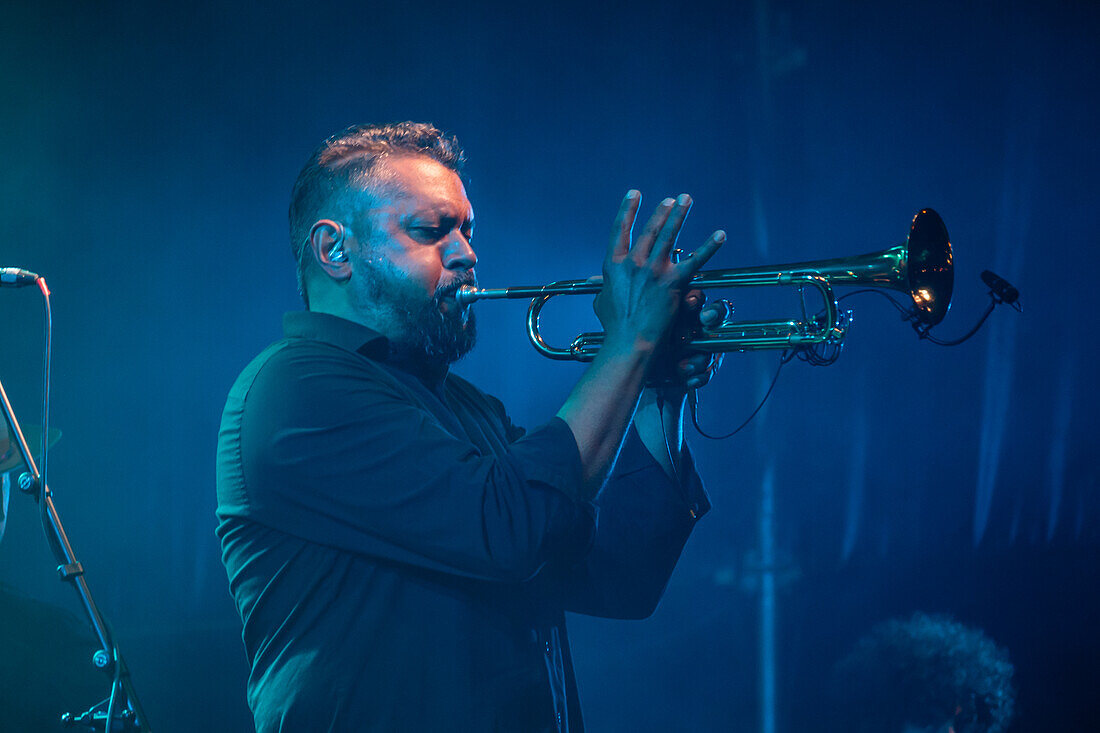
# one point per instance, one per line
(148, 151)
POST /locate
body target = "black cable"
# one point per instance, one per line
(668, 447)
(46, 356)
(923, 332)
(694, 403)
(900, 308)
(820, 354)
(826, 354)
(44, 457)
(955, 342)
(116, 682)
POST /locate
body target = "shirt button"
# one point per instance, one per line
(547, 647)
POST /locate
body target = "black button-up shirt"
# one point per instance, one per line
(401, 554)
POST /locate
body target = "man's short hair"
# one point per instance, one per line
(345, 162)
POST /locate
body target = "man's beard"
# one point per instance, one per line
(440, 334)
(426, 330)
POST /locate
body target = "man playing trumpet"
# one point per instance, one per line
(400, 553)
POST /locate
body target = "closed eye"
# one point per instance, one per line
(429, 233)
(433, 233)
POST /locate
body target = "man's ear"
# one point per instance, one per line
(327, 240)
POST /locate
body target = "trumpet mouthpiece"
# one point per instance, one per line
(467, 294)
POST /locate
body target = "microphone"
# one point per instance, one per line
(1002, 288)
(13, 277)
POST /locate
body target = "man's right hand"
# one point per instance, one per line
(642, 287)
(642, 292)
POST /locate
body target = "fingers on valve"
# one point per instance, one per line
(694, 364)
(694, 300)
(697, 369)
(717, 313)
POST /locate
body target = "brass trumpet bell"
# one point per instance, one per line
(920, 267)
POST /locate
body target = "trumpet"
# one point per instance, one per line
(921, 267)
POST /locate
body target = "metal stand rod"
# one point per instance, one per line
(107, 658)
(767, 603)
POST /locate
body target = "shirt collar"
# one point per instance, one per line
(336, 331)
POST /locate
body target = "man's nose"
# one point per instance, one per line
(458, 254)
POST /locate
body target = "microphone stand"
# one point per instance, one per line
(129, 713)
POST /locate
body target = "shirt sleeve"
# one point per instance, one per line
(330, 451)
(644, 519)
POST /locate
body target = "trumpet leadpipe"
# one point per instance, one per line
(468, 294)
